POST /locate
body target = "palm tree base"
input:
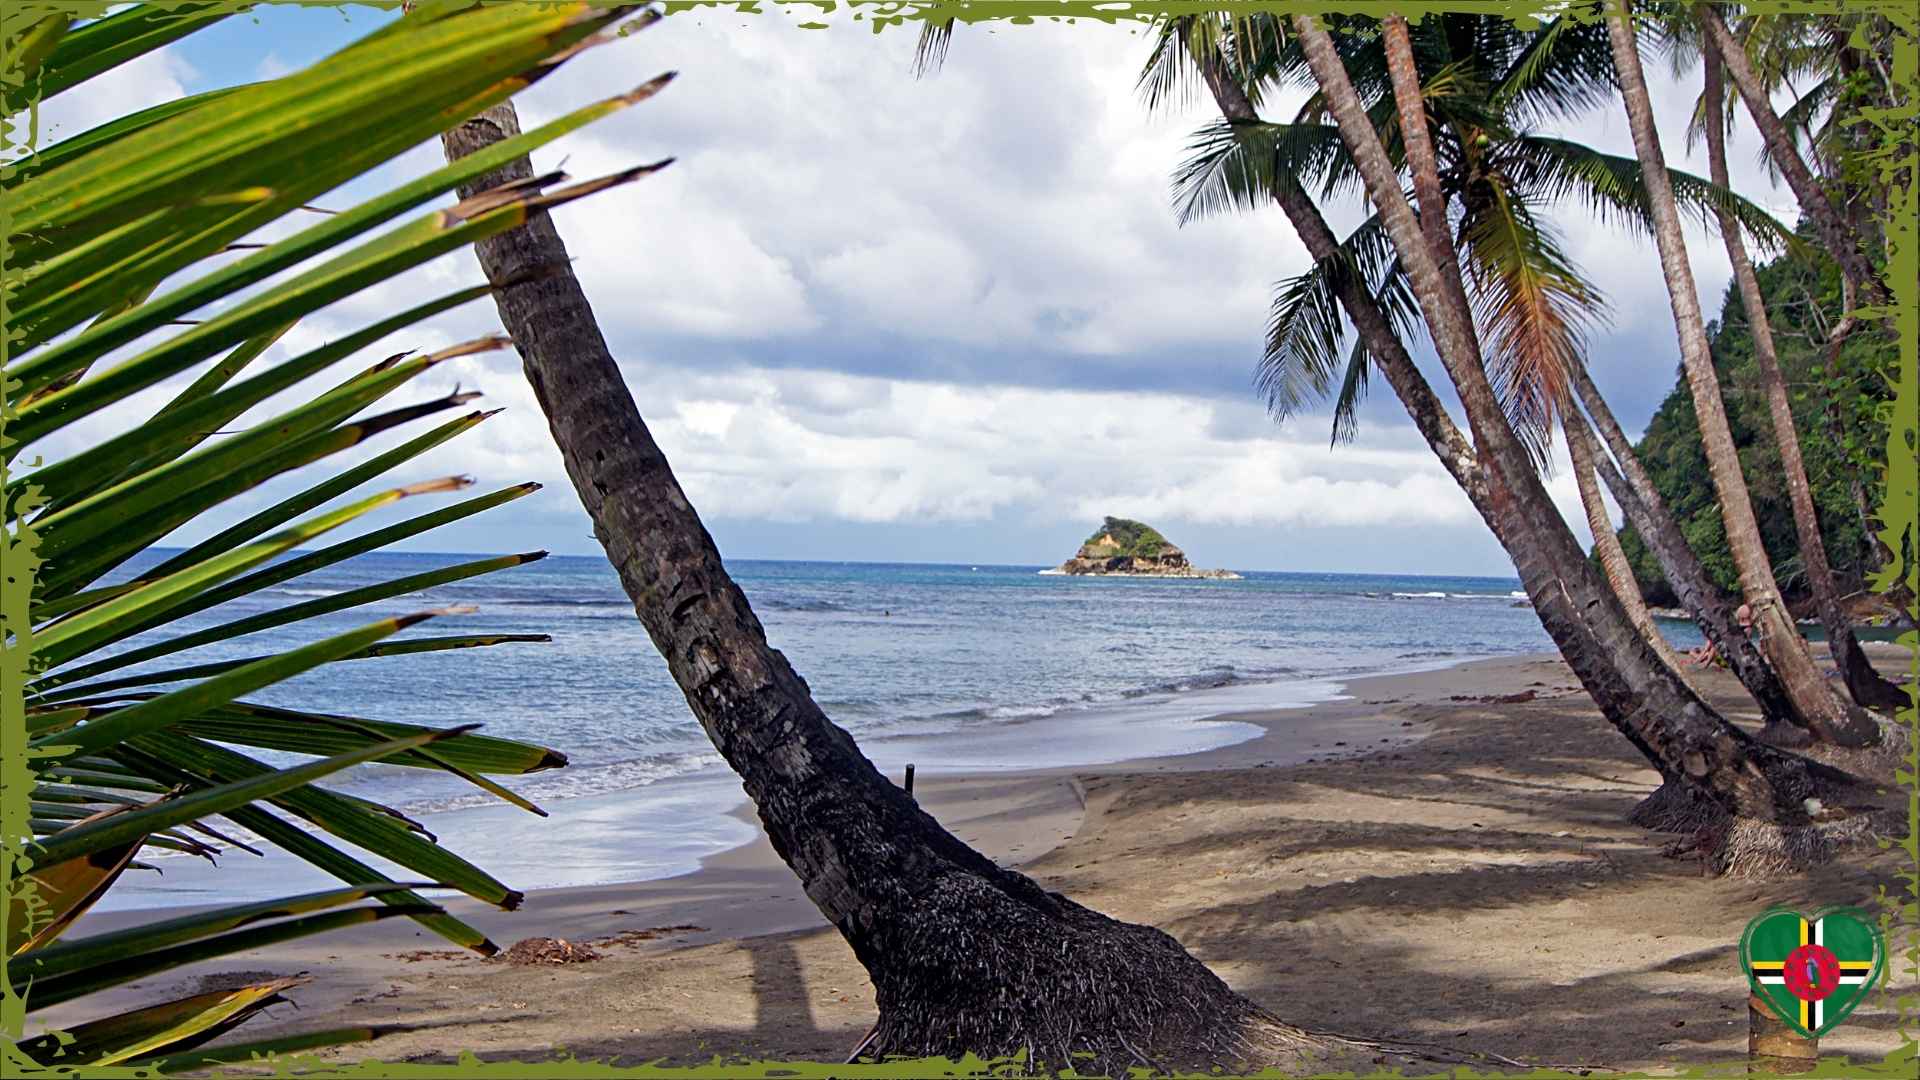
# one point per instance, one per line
(979, 971)
(1750, 847)
(1677, 807)
(1761, 849)
(1879, 762)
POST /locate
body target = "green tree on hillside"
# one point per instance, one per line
(1802, 298)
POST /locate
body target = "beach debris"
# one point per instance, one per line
(418, 955)
(546, 950)
(1496, 699)
(635, 937)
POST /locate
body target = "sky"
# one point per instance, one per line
(874, 317)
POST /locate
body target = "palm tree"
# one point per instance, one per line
(1712, 609)
(1845, 53)
(1845, 57)
(1606, 545)
(1237, 164)
(1764, 790)
(1866, 685)
(1837, 233)
(1831, 719)
(1490, 177)
(128, 265)
(965, 957)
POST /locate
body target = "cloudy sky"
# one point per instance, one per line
(952, 319)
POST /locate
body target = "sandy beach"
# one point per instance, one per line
(1439, 857)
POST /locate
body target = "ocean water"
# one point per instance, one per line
(950, 667)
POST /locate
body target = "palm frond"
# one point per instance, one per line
(1544, 169)
(1564, 69)
(1237, 166)
(1353, 390)
(116, 230)
(930, 51)
(1532, 308)
(1307, 328)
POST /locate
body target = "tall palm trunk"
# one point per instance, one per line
(1839, 238)
(1863, 683)
(1830, 719)
(1606, 545)
(1764, 790)
(1711, 608)
(965, 957)
(1410, 103)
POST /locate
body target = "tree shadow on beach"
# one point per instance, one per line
(1482, 891)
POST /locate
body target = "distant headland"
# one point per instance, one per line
(1125, 548)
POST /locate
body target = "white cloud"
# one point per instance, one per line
(1018, 197)
(830, 217)
(802, 447)
(158, 77)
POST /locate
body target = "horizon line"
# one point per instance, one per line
(902, 562)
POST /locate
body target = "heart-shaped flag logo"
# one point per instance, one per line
(1812, 972)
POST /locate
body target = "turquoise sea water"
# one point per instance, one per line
(951, 667)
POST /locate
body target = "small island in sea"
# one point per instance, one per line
(1127, 548)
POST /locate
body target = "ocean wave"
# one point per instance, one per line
(1439, 595)
(776, 604)
(1212, 679)
(539, 599)
(576, 781)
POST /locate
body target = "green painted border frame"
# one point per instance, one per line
(1899, 905)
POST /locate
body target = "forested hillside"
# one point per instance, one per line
(1840, 417)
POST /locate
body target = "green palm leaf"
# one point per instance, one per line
(1545, 169)
(99, 950)
(104, 44)
(112, 292)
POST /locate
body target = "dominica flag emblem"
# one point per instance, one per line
(1812, 972)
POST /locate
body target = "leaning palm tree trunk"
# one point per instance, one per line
(1410, 102)
(1865, 684)
(1829, 718)
(965, 957)
(1712, 609)
(1613, 557)
(1767, 799)
(1840, 240)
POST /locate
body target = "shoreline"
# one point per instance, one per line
(1466, 877)
(691, 818)
(1012, 814)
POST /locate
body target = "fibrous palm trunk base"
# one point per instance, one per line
(1878, 762)
(1736, 846)
(977, 971)
(1763, 849)
(1784, 735)
(1677, 807)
